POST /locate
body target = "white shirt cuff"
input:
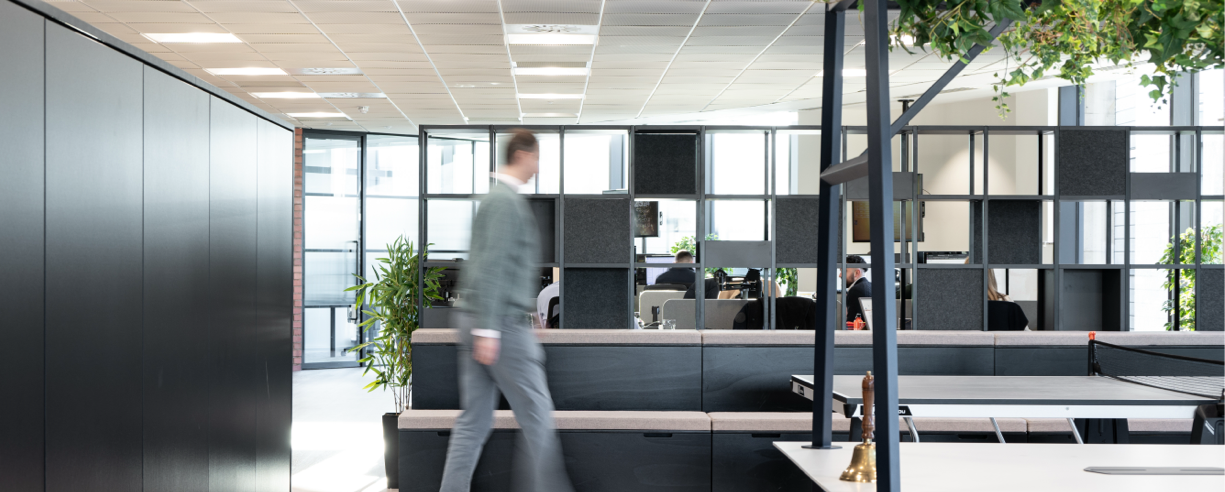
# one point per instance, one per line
(481, 332)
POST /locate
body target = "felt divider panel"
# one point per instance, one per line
(951, 299)
(664, 164)
(596, 297)
(22, 167)
(796, 229)
(544, 210)
(94, 266)
(1210, 299)
(1014, 231)
(598, 231)
(1092, 162)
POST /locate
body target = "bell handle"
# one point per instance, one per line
(869, 399)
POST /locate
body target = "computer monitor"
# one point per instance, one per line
(653, 273)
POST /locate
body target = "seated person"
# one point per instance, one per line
(711, 286)
(678, 275)
(753, 275)
(857, 285)
(1002, 313)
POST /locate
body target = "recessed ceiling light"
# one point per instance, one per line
(353, 95)
(192, 37)
(317, 115)
(849, 72)
(245, 71)
(550, 38)
(550, 96)
(324, 71)
(285, 95)
(551, 71)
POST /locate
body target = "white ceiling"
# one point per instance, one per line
(441, 61)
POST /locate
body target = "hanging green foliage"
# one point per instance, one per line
(1065, 38)
(1210, 252)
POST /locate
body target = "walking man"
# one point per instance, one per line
(498, 351)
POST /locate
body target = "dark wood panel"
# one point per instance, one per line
(753, 379)
(93, 255)
(613, 461)
(625, 378)
(921, 361)
(21, 219)
(424, 453)
(235, 373)
(748, 461)
(274, 300)
(176, 222)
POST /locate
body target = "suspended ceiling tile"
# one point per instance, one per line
(93, 17)
(451, 18)
(359, 57)
(245, 28)
(815, 43)
(161, 17)
(650, 19)
(364, 28)
(309, 38)
(291, 17)
(240, 6)
(722, 49)
(667, 31)
(631, 57)
(579, 18)
(465, 6)
(758, 6)
(388, 17)
(458, 29)
(747, 19)
(637, 50)
(443, 50)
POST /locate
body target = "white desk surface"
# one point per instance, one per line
(966, 467)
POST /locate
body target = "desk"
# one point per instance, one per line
(972, 467)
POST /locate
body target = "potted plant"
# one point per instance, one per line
(390, 305)
(1210, 252)
(1067, 37)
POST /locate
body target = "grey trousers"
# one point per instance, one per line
(519, 374)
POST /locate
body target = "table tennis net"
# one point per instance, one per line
(1200, 377)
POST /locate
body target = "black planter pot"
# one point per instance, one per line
(391, 449)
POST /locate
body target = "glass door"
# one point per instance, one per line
(332, 246)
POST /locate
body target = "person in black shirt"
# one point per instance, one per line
(678, 275)
(857, 285)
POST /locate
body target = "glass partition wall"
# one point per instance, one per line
(974, 205)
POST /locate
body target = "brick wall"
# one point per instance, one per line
(297, 249)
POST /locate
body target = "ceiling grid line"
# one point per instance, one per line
(590, 62)
(755, 58)
(673, 60)
(506, 43)
(355, 65)
(804, 83)
(265, 57)
(429, 59)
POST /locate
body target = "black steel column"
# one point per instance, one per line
(827, 223)
(880, 194)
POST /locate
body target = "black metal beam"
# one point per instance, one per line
(827, 237)
(880, 196)
(856, 168)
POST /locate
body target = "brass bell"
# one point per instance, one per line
(863, 461)
(863, 464)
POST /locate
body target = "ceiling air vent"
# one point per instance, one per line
(323, 71)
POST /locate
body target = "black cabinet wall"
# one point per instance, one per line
(21, 240)
(146, 294)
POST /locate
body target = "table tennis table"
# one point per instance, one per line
(1068, 397)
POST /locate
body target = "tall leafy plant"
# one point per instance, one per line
(687, 243)
(390, 305)
(1210, 252)
(1065, 38)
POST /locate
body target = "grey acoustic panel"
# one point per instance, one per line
(596, 298)
(737, 254)
(1164, 186)
(545, 212)
(21, 220)
(176, 233)
(236, 376)
(1092, 162)
(274, 304)
(1014, 232)
(597, 230)
(796, 229)
(665, 164)
(950, 298)
(1210, 300)
(93, 257)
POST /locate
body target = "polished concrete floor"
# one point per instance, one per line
(337, 434)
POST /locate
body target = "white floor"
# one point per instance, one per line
(337, 434)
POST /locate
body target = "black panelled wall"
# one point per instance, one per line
(21, 249)
(146, 275)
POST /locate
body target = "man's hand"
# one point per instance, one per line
(485, 350)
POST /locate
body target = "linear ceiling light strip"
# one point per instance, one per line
(674, 55)
(590, 62)
(429, 59)
(265, 57)
(509, 58)
(367, 77)
(762, 52)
